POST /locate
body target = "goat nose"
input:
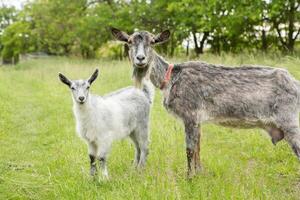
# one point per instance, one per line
(140, 57)
(81, 98)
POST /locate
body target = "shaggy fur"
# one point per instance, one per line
(242, 97)
(102, 120)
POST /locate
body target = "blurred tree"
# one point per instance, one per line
(285, 15)
(92, 29)
(7, 17)
(81, 28)
(16, 39)
(191, 17)
(55, 23)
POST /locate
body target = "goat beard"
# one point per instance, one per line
(139, 74)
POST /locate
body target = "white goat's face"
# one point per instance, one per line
(79, 88)
(140, 45)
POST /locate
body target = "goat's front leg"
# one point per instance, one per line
(104, 149)
(92, 154)
(103, 166)
(144, 154)
(137, 149)
(192, 137)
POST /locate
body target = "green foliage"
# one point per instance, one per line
(17, 39)
(285, 18)
(56, 24)
(7, 17)
(81, 27)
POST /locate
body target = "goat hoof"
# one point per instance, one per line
(194, 172)
(93, 171)
(191, 174)
(198, 169)
(135, 164)
(140, 166)
(105, 177)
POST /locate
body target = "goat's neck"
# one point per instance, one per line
(158, 69)
(155, 70)
(82, 110)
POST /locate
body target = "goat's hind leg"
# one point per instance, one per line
(144, 154)
(143, 142)
(192, 134)
(92, 148)
(103, 150)
(137, 149)
(103, 166)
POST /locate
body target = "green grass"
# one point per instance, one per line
(41, 156)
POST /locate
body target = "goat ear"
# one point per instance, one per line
(119, 35)
(93, 77)
(64, 79)
(161, 37)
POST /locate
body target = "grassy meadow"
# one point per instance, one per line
(41, 156)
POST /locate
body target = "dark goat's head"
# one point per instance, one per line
(140, 44)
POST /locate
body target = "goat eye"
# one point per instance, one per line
(72, 88)
(88, 87)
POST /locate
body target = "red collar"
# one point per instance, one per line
(167, 76)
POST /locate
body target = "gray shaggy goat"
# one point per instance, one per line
(198, 92)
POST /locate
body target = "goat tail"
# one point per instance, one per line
(148, 90)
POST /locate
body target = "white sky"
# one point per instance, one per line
(17, 3)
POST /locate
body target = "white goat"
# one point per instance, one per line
(102, 120)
